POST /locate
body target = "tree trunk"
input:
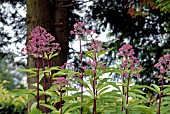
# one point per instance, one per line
(53, 16)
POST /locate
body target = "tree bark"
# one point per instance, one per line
(53, 15)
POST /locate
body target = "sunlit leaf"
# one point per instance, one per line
(49, 106)
(35, 111)
(156, 88)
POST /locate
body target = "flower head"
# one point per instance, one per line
(96, 45)
(78, 28)
(61, 82)
(164, 64)
(41, 42)
(130, 62)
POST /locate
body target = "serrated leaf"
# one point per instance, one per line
(49, 106)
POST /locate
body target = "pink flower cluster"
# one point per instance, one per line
(96, 46)
(79, 29)
(93, 64)
(41, 42)
(61, 82)
(130, 62)
(164, 64)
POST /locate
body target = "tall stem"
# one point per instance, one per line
(61, 101)
(37, 81)
(94, 85)
(127, 92)
(81, 60)
(123, 91)
(50, 79)
(45, 85)
(160, 95)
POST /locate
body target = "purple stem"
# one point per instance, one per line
(45, 85)
(61, 101)
(160, 95)
(94, 84)
(50, 79)
(37, 80)
(81, 85)
(123, 91)
(127, 93)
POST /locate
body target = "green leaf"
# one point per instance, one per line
(40, 77)
(157, 88)
(31, 70)
(135, 102)
(90, 54)
(53, 55)
(103, 90)
(150, 88)
(49, 106)
(136, 91)
(104, 51)
(71, 74)
(115, 70)
(91, 93)
(55, 112)
(165, 109)
(23, 92)
(144, 109)
(115, 85)
(82, 82)
(47, 93)
(91, 81)
(55, 68)
(40, 86)
(33, 106)
(75, 106)
(59, 73)
(135, 96)
(101, 82)
(166, 90)
(35, 111)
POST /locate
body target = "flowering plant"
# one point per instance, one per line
(87, 91)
